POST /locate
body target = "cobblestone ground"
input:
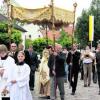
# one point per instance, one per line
(82, 93)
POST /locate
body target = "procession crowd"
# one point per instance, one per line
(56, 67)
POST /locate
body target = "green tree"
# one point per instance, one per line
(64, 39)
(40, 43)
(16, 36)
(4, 37)
(82, 26)
(95, 10)
(27, 43)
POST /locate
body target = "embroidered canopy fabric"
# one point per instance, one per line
(43, 15)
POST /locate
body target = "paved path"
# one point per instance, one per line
(82, 93)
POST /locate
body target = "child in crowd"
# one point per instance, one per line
(19, 80)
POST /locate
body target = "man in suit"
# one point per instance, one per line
(33, 66)
(13, 49)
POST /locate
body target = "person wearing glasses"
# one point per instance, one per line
(13, 49)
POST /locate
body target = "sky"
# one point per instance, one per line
(66, 4)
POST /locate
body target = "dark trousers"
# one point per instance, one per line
(73, 74)
(32, 80)
(99, 79)
(82, 73)
(81, 70)
(94, 77)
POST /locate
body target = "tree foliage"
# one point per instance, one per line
(16, 36)
(82, 26)
(27, 43)
(40, 43)
(64, 39)
(4, 36)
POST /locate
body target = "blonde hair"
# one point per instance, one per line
(3, 48)
(45, 51)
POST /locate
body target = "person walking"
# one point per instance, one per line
(18, 80)
(87, 65)
(98, 64)
(6, 65)
(56, 65)
(73, 60)
(33, 66)
(65, 51)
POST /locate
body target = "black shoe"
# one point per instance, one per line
(85, 85)
(32, 89)
(48, 97)
(73, 93)
(45, 97)
(99, 93)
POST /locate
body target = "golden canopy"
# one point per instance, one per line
(43, 15)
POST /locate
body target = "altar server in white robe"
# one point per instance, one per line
(19, 80)
(6, 65)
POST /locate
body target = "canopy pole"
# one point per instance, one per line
(75, 5)
(9, 14)
(53, 26)
(46, 35)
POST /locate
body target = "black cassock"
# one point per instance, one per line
(5, 98)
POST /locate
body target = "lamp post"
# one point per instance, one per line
(74, 5)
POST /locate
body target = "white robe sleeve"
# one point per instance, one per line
(11, 75)
(24, 78)
(9, 65)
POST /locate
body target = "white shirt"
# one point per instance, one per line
(88, 60)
